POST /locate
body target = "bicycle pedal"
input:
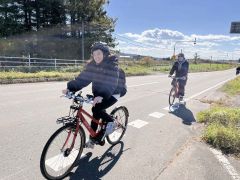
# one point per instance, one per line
(102, 143)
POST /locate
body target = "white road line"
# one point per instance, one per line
(114, 136)
(138, 123)
(195, 95)
(166, 108)
(59, 162)
(226, 164)
(143, 84)
(83, 155)
(157, 115)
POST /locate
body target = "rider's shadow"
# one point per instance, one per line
(97, 168)
(185, 114)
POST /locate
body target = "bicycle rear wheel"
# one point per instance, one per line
(120, 115)
(57, 160)
(172, 95)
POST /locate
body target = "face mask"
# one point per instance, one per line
(180, 58)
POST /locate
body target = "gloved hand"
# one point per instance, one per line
(65, 91)
(97, 100)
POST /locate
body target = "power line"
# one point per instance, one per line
(144, 45)
(130, 42)
(124, 37)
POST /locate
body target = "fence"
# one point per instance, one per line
(35, 64)
(30, 62)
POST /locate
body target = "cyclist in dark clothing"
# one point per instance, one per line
(237, 70)
(103, 73)
(180, 68)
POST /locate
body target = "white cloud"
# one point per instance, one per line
(219, 38)
(121, 42)
(207, 44)
(131, 35)
(162, 34)
(160, 43)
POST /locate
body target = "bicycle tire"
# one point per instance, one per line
(171, 98)
(122, 124)
(43, 166)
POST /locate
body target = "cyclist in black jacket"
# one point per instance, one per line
(103, 73)
(237, 70)
(180, 68)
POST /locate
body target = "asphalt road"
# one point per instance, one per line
(167, 146)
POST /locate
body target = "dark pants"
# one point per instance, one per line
(99, 111)
(237, 70)
(182, 84)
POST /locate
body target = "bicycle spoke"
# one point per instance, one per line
(121, 119)
(57, 160)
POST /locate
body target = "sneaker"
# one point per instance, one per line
(89, 144)
(101, 143)
(99, 140)
(110, 128)
(180, 98)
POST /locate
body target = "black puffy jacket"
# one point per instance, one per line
(104, 78)
(181, 68)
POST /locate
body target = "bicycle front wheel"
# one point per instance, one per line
(120, 116)
(171, 98)
(57, 158)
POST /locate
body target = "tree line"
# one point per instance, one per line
(53, 28)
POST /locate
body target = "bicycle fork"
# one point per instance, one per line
(68, 150)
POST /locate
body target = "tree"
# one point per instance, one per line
(9, 18)
(55, 25)
(88, 18)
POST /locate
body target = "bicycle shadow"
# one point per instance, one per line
(185, 114)
(97, 168)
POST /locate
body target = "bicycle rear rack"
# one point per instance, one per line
(65, 120)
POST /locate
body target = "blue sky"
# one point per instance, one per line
(169, 21)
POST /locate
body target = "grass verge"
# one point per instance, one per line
(70, 73)
(232, 87)
(223, 128)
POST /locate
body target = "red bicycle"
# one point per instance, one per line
(174, 92)
(65, 146)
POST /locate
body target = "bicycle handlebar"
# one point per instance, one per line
(79, 97)
(177, 78)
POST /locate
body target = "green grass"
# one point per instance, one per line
(130, 70)
(137, 70)
(232, 87)
(223, 115)
(223, 129)
(143, 69)
(225, 138)
(203, 67)
(41, 74)
(209, 67)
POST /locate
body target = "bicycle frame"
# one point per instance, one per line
(176, 88)
(81, 119)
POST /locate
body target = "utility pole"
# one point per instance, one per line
(83, 40)
(174, 47)
(211, 62)
(195, 58)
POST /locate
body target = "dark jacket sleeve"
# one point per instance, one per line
(174, 68)
(187, 68)
(84, 79)
(111, 81)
